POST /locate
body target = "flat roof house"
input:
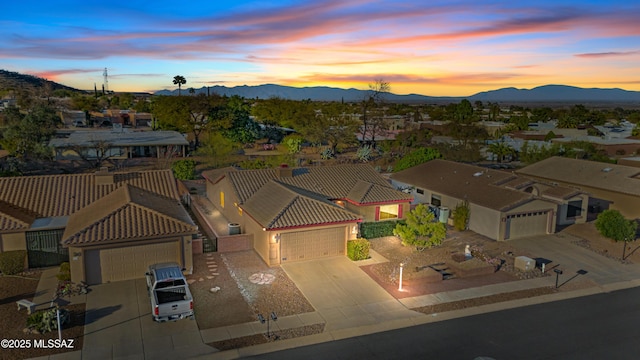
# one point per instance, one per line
(119, 144)
(503, 206)
(304, 213)
(108, 226)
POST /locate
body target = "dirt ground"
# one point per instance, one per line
(23, 286)
(592, 240)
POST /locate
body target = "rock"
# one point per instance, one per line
(190, 281)
(215, 289)
(26, 330)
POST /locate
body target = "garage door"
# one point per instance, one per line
(313, 244)
(128, 262)
(527, 224)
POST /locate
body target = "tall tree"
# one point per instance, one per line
(373, 122)
(333, 125)
(179, 80)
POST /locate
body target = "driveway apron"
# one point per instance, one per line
(118, 324)
(571, 258)
(343, 294)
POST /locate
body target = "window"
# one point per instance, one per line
(574, 209)
(388, 212)
(420, 191)
(221, 198)
(436, 200)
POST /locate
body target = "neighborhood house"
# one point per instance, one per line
(299, 214)
(108, 226)
(503, 206)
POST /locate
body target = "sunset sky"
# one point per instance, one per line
(437, 48)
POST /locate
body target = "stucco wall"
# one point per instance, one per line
(13, 241)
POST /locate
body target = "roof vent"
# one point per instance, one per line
(607, 169)
(479, 173)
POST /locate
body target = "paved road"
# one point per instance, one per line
(603, 326)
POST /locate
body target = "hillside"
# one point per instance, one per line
(13, 81)
(543, 94)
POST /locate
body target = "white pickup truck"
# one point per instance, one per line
(169, 293)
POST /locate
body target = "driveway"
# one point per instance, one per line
(559, 248)
(118, 324)
(343, 294)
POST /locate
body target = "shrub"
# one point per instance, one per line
(13, 262)
(65, 272)
(461, 216)
(372, 230)
(47, 320)
(358, 249)
(184, 169)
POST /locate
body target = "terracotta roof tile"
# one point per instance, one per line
(61, 195)
(277, 205)
(331, 182)
(127, 213)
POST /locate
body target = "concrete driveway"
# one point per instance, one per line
(343, 294)
(559, 248)
(118, 324)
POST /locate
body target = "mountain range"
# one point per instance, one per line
(541, 94)
(548, 94)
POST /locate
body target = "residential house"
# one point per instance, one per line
(609, 186)
(304, 213)
(118, 144)
(503, 205)
(108, 226)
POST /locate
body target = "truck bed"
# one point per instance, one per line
(171, 295)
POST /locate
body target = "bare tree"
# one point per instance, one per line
(373, 122)
(96, 154)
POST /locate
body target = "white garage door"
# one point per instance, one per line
(313, 244)
(130, 262)
(527, 224)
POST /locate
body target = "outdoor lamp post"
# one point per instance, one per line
(400, 282)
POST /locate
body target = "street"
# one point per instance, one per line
(603, 326)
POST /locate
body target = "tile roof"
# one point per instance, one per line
(62, 195)
(477, 185)
(276, 206)
(127, 213)
(13, 217)
(331, 182)
(611, 177)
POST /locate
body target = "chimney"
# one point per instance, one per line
(104, 177)
(284, 171)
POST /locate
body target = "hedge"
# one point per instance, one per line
(358, 249)
(372, 230)
(13, 262)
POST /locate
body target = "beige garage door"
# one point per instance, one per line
(129, 262)
(313, 244)
(527, 224)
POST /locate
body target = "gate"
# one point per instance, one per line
(44, 248)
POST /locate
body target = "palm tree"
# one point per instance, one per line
(179, 80)
(501, 150)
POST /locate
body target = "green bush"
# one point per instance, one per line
(47, 320)
(358, 249)
(65, 272)
(13, 262)
(184, 169)
(372, 230)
